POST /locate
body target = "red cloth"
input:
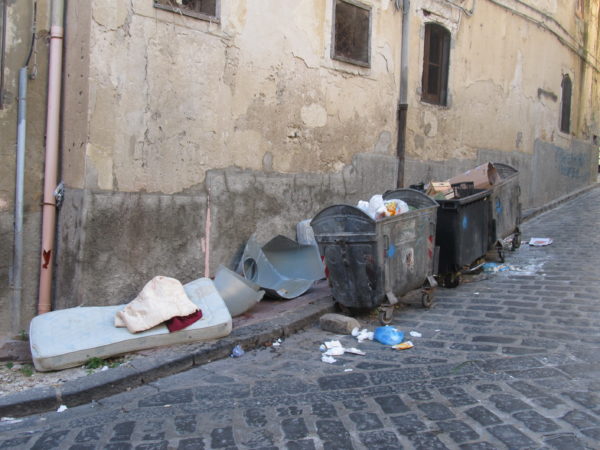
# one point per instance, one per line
(180, 322)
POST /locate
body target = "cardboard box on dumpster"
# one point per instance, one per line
(483, 176)
(440, 189)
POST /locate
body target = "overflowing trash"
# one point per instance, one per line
(377, 208)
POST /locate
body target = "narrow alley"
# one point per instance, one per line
(507, 360)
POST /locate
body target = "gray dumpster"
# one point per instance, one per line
(372, 263)
(505, 209)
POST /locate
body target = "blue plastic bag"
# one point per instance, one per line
(388, 335)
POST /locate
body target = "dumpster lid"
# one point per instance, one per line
(342, 219)
(412, 197)
(504, 170)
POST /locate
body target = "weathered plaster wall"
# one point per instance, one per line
(179, 96)
(18, 42)
(167, 116)
(251, 119)
(504, 94)
(112, 243)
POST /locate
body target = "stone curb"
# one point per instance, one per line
(146, 369)
(534, 212)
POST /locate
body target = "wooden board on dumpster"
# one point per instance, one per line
(442, 188)
(483, 176)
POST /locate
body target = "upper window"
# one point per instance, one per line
(351, 33)
(565, 107)
(436, 57)
(201, 9)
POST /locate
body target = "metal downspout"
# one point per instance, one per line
(51, 160)
(17, 269)
(403, 101)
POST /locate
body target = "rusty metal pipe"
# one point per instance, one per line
(51, 160)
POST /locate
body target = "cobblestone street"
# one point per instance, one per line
(506, 360)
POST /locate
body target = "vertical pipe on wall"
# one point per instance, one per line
(403, 101)
(17, 268)
(51, 159)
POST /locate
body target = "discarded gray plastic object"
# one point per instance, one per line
(238, 293)
(282, 267)
(305, 234)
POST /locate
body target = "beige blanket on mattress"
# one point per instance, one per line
(161, 299)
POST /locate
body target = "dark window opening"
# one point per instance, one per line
(565, 111)
(200, 9)
(436, 57)
(351, 33)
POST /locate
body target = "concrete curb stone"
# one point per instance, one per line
(145, 369)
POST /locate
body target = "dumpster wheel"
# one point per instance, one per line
(386, 314)
(516, 240)
(427, 298)
(450, 280)
(500, 250)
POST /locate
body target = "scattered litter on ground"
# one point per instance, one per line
(276, 343)
(415, 334)
(328, 359)
(10, 420)
(362, 335)
(476, 293)
(348, 370)
(493, 267)
(335, 351)
(333, 344)
(403, 346)
(237, 351)
(61, 408)
(540, 242)
(354, 351)
(388, 335)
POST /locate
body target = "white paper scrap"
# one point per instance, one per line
(355, 351)
(333, 344)
(335, 351)
(540, 242)
(415, 334)
(328, 359)
(61, 408)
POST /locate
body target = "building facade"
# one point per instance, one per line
(188, 125)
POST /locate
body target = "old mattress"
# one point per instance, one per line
(69, 337)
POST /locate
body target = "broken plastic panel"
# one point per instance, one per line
(282, 266)
(239, 294)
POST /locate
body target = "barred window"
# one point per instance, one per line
(351, 33)
(200, 9)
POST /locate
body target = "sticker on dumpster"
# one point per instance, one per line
(465, 222)
(499, 207)
(409, 259)
(391, 251)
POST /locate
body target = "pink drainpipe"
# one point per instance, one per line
(51, 161)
